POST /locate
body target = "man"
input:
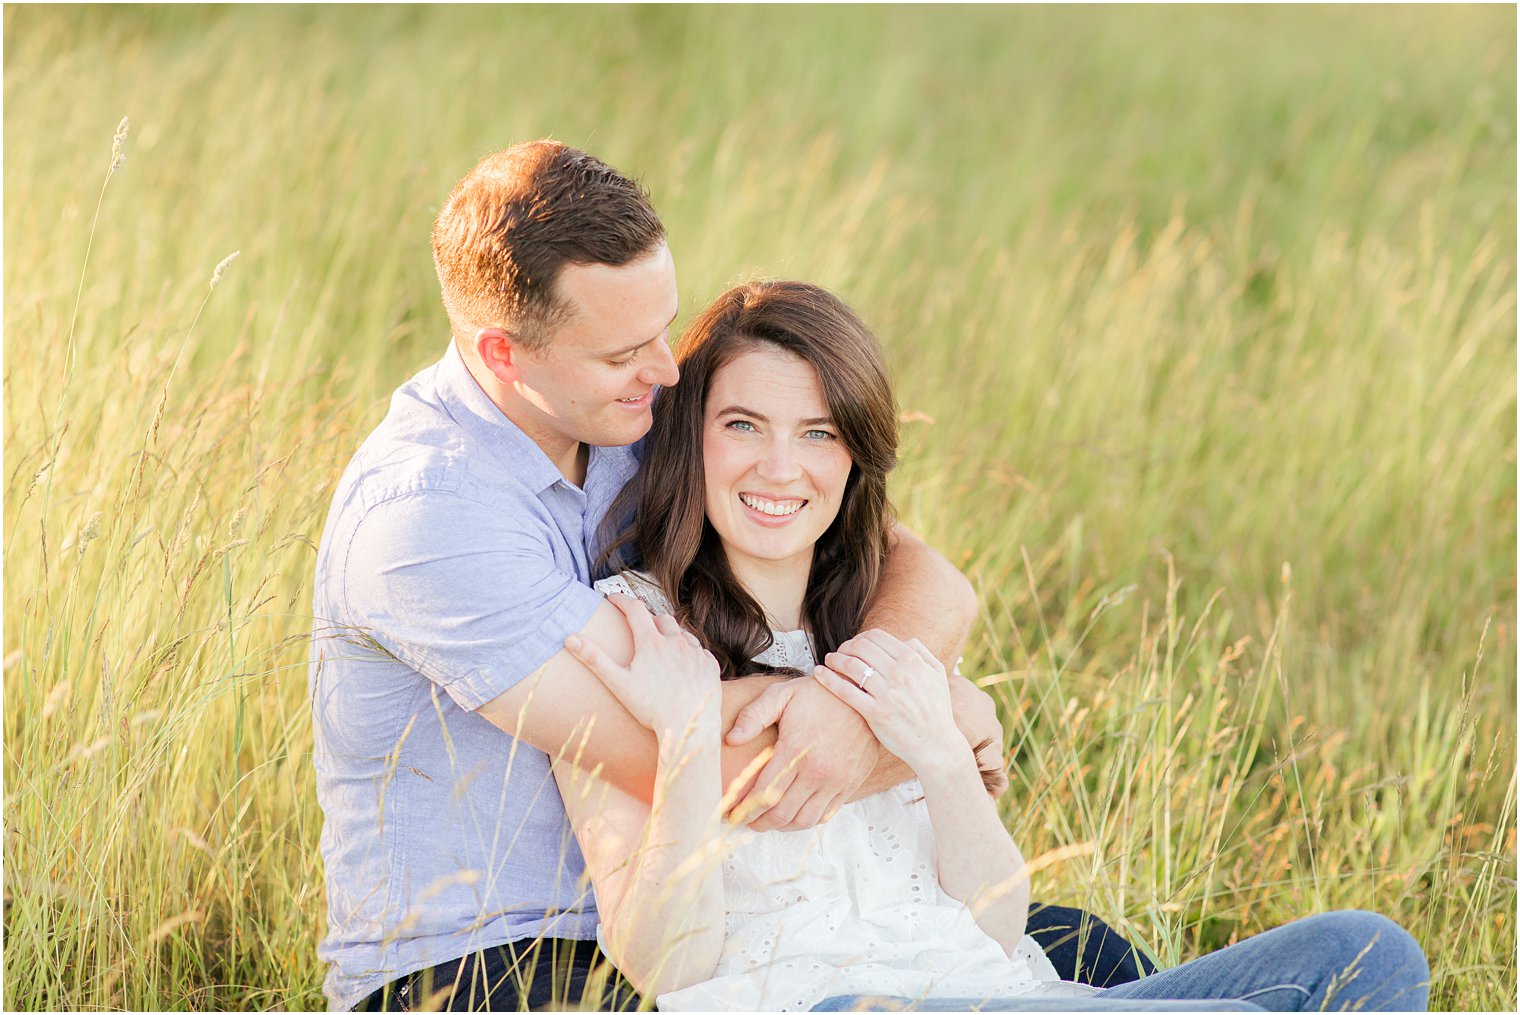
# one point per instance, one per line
(455, 562)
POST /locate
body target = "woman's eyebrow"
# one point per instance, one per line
(739, 410)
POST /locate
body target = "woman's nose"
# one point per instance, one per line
(778, 464)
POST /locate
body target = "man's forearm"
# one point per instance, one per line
(890, 771)
(736, 695)
(567, 713)
(923, 596)
(631, 763)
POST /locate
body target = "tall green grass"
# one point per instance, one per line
(1203, 323)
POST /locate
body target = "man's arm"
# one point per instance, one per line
(471, 597)
(923, 596)
(565, 711)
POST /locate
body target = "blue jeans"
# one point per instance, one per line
(1348, 960)
(555, 974)
(1083, 948)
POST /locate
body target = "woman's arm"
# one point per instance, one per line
(906, 700)
(656, 868)
(978, 862)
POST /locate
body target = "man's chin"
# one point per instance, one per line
(628, 431)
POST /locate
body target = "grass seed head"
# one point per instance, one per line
(90, 531)
(118, 146)
(216, 276)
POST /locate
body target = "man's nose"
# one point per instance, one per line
(662, 369)
(778, 464)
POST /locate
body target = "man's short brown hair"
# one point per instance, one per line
(512, 224)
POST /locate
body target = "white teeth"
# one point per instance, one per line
(770, 507)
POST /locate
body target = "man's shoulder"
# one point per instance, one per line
(419, 448)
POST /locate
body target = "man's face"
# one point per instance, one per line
(595, 381)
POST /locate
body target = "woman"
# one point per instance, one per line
(760, 521)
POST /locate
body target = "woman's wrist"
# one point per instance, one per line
(952, 768)
(701, 732)
(690, 774)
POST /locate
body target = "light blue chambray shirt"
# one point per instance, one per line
(455, 561)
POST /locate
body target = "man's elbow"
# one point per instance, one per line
(958, 608)
(961, 601)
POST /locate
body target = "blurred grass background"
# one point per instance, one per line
(1204, 323)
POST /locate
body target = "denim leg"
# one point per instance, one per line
(1347, 960)
(1083, 948)
(1096, 1003)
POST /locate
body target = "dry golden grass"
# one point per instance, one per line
(1208, 342)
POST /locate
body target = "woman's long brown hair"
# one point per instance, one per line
(670, 536)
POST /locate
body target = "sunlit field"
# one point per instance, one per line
(1203, 325)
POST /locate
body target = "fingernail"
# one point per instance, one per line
(573, 643)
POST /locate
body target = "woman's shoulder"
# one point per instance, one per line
(637, 584)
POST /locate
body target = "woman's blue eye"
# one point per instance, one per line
(742, 424)
(819, 435)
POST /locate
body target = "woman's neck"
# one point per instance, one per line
(778, 586)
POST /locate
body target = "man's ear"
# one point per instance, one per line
(498, 353)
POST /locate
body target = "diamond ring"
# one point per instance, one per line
(867, 675)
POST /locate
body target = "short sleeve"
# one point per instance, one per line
(466, 595)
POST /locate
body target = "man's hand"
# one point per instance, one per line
(824, 752)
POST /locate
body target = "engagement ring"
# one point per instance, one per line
(867, 675)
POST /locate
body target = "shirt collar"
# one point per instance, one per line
(483, 420)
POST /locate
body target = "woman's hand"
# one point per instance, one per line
(670, 685)
(900, 689)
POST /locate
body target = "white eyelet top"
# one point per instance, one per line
(853, 906)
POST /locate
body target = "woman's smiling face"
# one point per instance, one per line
(774, 464)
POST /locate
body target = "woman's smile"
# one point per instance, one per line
(771, 510)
